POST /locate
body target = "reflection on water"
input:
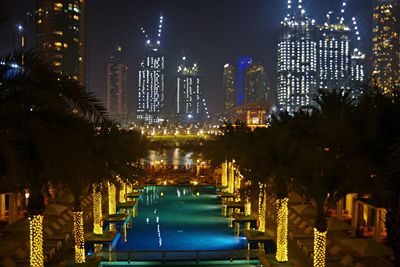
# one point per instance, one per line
(173, 157)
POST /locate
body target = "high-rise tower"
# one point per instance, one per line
(385, 46)
(151, 81)
(243, 64)
(297, 60)
(188, 92)
(256, 84)
(117, 84)
(334, 59)
(229, 86)
(60, 36)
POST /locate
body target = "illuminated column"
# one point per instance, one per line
(262, 202)
(122, 193)
(112, 206)
(319, 248)
(79, 237)
(97, 211)
(247, 207)
(224, 178)
(282, 230)
(36, 240)
(231, 177)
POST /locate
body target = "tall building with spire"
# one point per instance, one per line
(188, 92)
(229, 86)
(256, 84)
(61, 36)
(340, 60)
(117, 85)
(297, 59)
(386, 46)
(151, 81)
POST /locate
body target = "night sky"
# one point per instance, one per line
(213, 32)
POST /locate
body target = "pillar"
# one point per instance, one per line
(319, 248)
(282, 230)
(36, 258)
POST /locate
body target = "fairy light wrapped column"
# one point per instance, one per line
(79, 237)
(224, 178)
(97, 210)
(262, 205)
(282, 230)
(122, 192)
(36, 258)
(319, 248)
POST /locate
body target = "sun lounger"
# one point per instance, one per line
(61, 229)
(7, 262)
(51, 235)
(347, 261)
(65, 217)
(292, 216)
(298, 233)
(57, 244)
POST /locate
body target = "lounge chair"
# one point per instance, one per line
(7, 262)
(347, 261)
(57, 244)
(65, 217)
(61, 229)
(299, 233)
(52, 235)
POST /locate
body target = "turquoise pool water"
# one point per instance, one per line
(180, 218)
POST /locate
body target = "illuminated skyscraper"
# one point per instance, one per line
(230, 89)
(297, 60)
(385, 46)
(60, 36)
(256, 84)
(188, 92)
(151, 81)
(243, 64)
(334, 59)
(117, 85)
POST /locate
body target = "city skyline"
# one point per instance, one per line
(256, 36)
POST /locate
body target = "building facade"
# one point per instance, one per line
(297, 60)
(151, 81)
(256, 84)
(229, 86)
(243, 64)
(334, 56)
(117, 85)
(61, 36)
(188, 93)
(385, 46)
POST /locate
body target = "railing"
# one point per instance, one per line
(178, 255)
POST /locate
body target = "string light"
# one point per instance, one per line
(262, 201)
(247, 207)
(122, 193)
(231, 177)
(224, 174)
(319, 248)
(79, 237)
(282, 230)
(112, 205)
(36, 241)
(97, 210)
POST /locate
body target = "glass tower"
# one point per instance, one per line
(385, 46)
(117, 85)
(229, 84)
(60, 36)
(257, 86)
(297, 60)
(151, 83)
(188, 92)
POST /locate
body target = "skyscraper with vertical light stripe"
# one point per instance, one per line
(297, 59)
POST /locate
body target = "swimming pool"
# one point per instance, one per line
(180, 218)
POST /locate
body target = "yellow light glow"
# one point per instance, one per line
(97, 210)
(198, 194)
(319, 248)
(162, 194)
(79, 237)
(122, 193)
(36, 240)
(262, 204)
(282, 230)
(112, 205)
(247, 207)
(231, 178)
(224, 178)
